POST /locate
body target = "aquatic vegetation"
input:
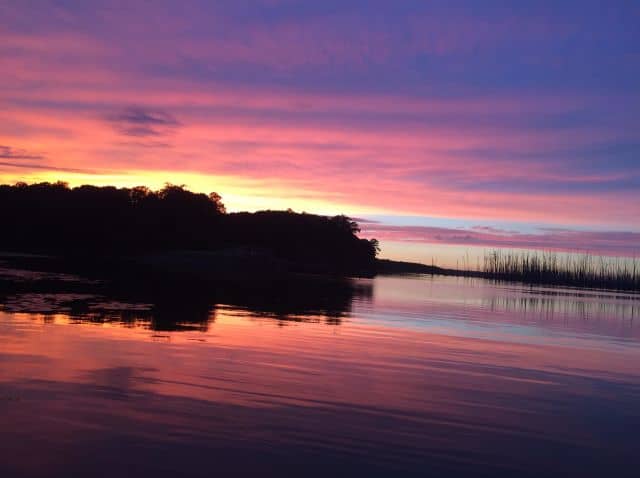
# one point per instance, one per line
(578, 270)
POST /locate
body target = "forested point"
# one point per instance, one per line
(54, 218)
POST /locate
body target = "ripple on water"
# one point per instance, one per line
(434, 377)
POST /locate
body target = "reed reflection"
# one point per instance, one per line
(558, 307)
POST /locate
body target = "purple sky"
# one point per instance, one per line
(461, 123)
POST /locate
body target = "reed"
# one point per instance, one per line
(578, 270)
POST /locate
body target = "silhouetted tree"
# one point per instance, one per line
(48, 217)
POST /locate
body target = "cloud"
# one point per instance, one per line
(7, 152)
(377, 107)
(616, 243)
(44, 167)
(494, 230)
(13, 158)
(24, 160)
(140, 122)
(361, 220)
(146, 144)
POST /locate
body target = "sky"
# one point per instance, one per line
(444, 127)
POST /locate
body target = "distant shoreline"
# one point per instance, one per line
(229, 265)
(590, 280)
(174, 231)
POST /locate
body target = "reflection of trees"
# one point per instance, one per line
(168, 303)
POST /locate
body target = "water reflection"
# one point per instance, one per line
(423, 377)
(480, 308)
(166, 304)
(551, 308)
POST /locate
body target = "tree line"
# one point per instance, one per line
(54, 218)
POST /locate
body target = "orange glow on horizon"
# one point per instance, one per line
(238, 193)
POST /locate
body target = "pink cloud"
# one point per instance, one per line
(615, 243)
(394, 150)
(360, 165)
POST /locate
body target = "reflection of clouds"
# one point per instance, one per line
(482, 308)
(372, 400)
(116, 382)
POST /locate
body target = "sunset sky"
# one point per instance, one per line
(444, 126)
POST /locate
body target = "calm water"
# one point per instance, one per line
(403, 377)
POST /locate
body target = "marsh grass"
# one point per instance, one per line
(578, 270)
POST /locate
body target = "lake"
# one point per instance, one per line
(404, 376)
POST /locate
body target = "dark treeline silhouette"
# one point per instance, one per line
(166, 302)
(107, 221)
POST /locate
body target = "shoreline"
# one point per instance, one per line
(234, 266)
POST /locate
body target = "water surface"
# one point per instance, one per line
(423, 376)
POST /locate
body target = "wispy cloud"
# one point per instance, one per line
(43, 167)
(7, 152)
(20, 159)
(143, 122)
(526, 113)
(620, 243)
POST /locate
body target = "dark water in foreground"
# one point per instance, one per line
(413, 377)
